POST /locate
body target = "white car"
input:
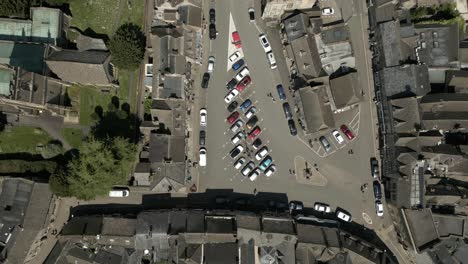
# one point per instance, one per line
(321, 207)
(244, 72)
(337, 136)
(203, 117)
(119, 193)
(254, 174)
(202, 161)
(379, 208)
(231, 95)
(248, 168)
(238, 137)
(343, 216)
(250, 112)
(270, 170)
(236, 126)
(261, 153)
(238, 164)
(211, 63)
(271, 60)
(265, 44)
(235, 56)
(327, 11)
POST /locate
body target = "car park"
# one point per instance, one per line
(342, 215)
(250, 112)
(212, 16)
(261, 153)
(254, 174)
(211, 63)
(236, 151)
(202, 138)
(231, 95)
(287, 111)
(244, 72)
(257, 143)
(238, 164)
(232, 117)
(238, 137)
(236, 39)
(243, 83)
(238, 64)
(231, 84)
(337, 136)
(254, 133)
(251, 14)
(205, 80)
(374, 165)
(265, 43)
(119, 192)
(270, 170)
(203, 117)
(347, 132)
(235, 56)
(281, 93)
(325, 143)
(213, 32)
(248, 168)
(377, 190)
(246, 104)
(252, 122)
(232, 106)
(292, 127)
(202, 158)
(295, 206)
(236, 126)
(321, 207)
(265, 163)
(271, 60)
(327, 11)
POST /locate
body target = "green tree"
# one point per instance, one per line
(15, 8)
(52, 149)
(127, 46)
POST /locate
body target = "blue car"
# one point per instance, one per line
(265, 163)
(238, 64)
(281, 93)
(246, 104)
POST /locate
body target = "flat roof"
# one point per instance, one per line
(25, 55)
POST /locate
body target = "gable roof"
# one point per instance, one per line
(317, 115)
(345, 90)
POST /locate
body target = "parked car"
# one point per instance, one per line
(231, 95)
(237, 125)
(213, 31)
(342, 215)
(232, 106)
(250, 112)
(244, 72)
(257, 143)
(243, 83)
(261, 153)
(232, 117)
(254, 174)
(321, 207)
(231, 84)
(205, 80)
(252, 122)
(379, 208)
(271, 60)
(238, 137)
(374, 165)
(287, 111)
(202, 138)
(202, 159)
(270, 170)
(347, 132)
(265, 44)
(292, 127)
(251, 14)
(212, 16)
(248, 168)
(235, 56)
(265, 163)
(377, 190)
(280, 90)
(325, 143)
(203, 117)
(238, 64)
(254, 133)
(236, 151)
(327, 11)
(246, 104)
(211, 63)
(295, 206)
(337, 136)
(119, 192)
(236, 40)
(238, 164)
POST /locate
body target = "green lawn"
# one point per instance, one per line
(73, 136)
(90, 97)
(22, 139)
(124, 83)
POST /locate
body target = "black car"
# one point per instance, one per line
(232, 106)
(287, 111)
(257, 143)
(205, 80)
(231, 84)
(252, 121)
(202, 138)
(292, 127)
(213, 31)
(281, 93)
(212, 16)
(377, 190)
(251, 14)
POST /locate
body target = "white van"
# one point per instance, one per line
(202, 161)
(119, 193)
(272, 60)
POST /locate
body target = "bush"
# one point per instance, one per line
(127, 46)
(24, 166)
(52, 149)
(17, 8)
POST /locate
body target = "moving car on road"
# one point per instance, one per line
(248, 168)
(202, 159)
(246, 104)
(205, 80)
(236, 126)
(236, 40)
(321, 207)
(252, 121)
(265, 163)
(374, 166)
(244, 72)
(236, 151)
(379, 208)
(213, 31)
(238, 164)
(261, 153)
(270, 170)
(251, 14)
(244, 83)
(250, 112)
(254, 133)
(232, 106)
(337, 136)
(238, 137)
(347, 132)
(202, 138)
(281, 93)
(265, 44)
(232, 117)
(235, 56)
(327, 11)
(211, 63)
(292, 127)
(203, 117)
(231, 95)
(212, 16)
(325, 143)
(342, 215)
(238, 64)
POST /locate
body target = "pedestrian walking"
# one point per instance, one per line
(255, 191)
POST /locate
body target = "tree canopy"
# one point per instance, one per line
(15, 8)
(127, 46)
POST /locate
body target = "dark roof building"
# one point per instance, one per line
(296, 26)
(421, 228)
(404, 81)
(305, 54)
(190, 16)
(167, 44)
(346, 92)
(444, 111)
(316, 111)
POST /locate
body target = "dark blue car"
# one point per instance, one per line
(245, 105)
(281, 93)
(238, 64)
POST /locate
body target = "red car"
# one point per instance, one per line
(243, 83)
(254, 133)
(236, 39)
(233, 117)
(347, 132)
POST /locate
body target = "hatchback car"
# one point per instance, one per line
(203, 117)
(328, 11)
(248, 168)
(251, 14)
(236, 151)
(257, 143)
(271, 60)
(213, 32)
(232, 117)
(232, 106)
(287, 111)
(235, 56)
(265, 163)
(254, 133)
(270, 170)
(236, 126)
(202, 138)
(250, 112)
(246, 104)
(212, 16)
(238, 64)
(377, 190)
(251, 123)
(321, 207)
(231, 84)
(292, 127)
(261, 153)
(325, 143)
(342, 215)
(211, 64)
(244, 83)
(244, 72)
(337, 136)
(265, 44)
(280, 90)
(374, 165)
(238, 137)
(254, 174)
(231, 95)
(347, 132)
(202, 157)
(238, 164)
(379, 208)
(119, 192)
(205, 80)
(236, 40)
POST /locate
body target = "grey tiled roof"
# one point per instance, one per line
(296, 26)
(406, 80)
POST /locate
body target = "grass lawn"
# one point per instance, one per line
(90, 97)
(22, 139)
(73, 136)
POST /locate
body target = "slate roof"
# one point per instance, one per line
(226, 253)
(346, 90)
(296, 26)
(317, 115)
(406, 114)
(441, 44)
(449, 225)
(173, 87)
(166, 147)
(421, 228)
(306, 56)
(334, 34)
(457, 78)
(190, 15)
(390, 40)
(403, 81)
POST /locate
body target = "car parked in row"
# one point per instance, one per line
(321, 207)
(202, 157)
(271, 60)
(212, 13)
(377, 190)
(212, 31)
(292, 127)
(342, 215)
(261, 153)
(265, 163)
(205, 80)
(211, 64)
(295, 206)
(248, 168)
(236, 39)
(203, 117)
(232, 117)
(244, 72)
(265, 43)
(231, 95)
(325, 143)
(254, 174)
(235, 56)
(246, 104)
(270, 170)
(281, 93)
(238, 164)
(347, 132)
(236, 151)
(337, 136)
(231, 84)
(254, 133)
(232, 106)
(202, 138)
(236, 126)
(379, 210)
(250, 112)
(252, 122)
(251, 14)
(238, 137)
(238, 64)
(374, 166)
(243, 83)
(287, 111)
(257, 143)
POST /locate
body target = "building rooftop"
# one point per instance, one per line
(406, 114)
(390, 40)
(306, 56)
(345, 90)
(296, 26)
(5, 81)
(191, 15)
(317, 114)
(404, 81)
(227, 253)
(173, 87)
(449, 225)
(25, 55)
(335, 33)
(421, 228)
(166, 148)
(439, 44)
